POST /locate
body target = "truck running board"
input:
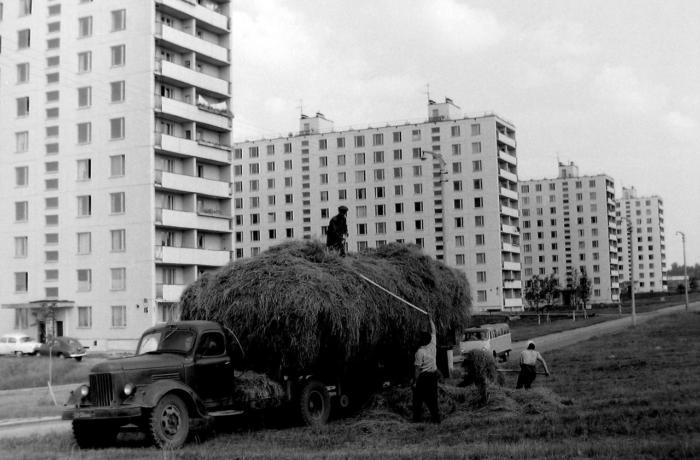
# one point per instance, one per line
(226, 413)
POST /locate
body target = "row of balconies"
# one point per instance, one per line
(200, 114)
(174, 255)
(192, 184)
(171, 71)
(187, 42)
(216, 153)
(208, 17)
(203, 219)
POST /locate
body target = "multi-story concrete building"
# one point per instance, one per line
(448, 184)
(642, 241)
(568, 228)
(115, 154)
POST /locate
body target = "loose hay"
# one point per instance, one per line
(298, 307)
(396, 403)
(251, 386)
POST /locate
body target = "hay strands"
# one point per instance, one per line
(518, 370)
(391, 293)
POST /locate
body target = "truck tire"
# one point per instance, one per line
(314, 403)
(169, 422)
(89, 435)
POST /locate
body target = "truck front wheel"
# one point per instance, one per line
(314, 403)
(170, 422)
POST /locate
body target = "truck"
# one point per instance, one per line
(183, 376)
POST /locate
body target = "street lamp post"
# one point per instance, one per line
(685, 269)
(632, 262)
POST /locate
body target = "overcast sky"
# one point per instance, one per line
(612, 85)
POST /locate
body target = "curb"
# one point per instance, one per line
(24, 421)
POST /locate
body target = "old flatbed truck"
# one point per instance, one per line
(181, 377)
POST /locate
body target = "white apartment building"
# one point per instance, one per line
(568, 227)
(448, 184)
(642, 218)
(115, 153)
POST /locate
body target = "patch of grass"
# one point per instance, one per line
(631, 395)
(36, 402)
(33, 371)
(527, 327)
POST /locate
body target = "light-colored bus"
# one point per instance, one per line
(492, 338)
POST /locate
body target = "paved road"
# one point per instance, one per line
(566, 338)
(27, 427)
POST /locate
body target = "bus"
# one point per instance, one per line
(492, 338)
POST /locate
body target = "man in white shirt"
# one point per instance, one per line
(426, 377)
(528, 366)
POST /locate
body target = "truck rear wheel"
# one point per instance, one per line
(90, 434)
(314, 403)
(169, 422)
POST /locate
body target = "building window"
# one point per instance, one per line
(118, 54)
(459, 259)
(84, 206)
(117, 166)
(84, 169)
(117, 202)
(118, 20)
(23, 39)
(84, 61)
(21, 246)
(476, 130)
(116, 128)
(476, 147)
(480, 239)
(455, 131)
(456, 149)
(21, 141)
(23, 72)
(22, 106)
(85, 26)
(84, 97)
(480, 277)
(476, 165)
(22, 176)
(118, 316)
(416, 135)
(84, 280)
(481, 295)
(118, 279)
(359, 141)
(84, 133)
(84, 317)
(25, 7)
(117, 91)
(84, 243)
(479, 202)
(118, 240)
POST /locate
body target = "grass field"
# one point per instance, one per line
(33, 371)
(630, 395)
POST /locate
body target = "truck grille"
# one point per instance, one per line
(101, 389)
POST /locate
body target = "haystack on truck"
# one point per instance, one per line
(186, 374)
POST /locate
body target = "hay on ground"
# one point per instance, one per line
(298, 307)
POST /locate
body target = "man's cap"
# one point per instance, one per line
(342, 209)
(530, 342)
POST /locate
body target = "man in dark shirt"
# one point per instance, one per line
(337, 231)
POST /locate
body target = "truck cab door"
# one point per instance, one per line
(213, 370)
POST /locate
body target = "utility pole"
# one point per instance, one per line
(685, 269)
(632, 262)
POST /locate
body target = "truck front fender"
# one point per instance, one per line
(147, 396)
(74, 398)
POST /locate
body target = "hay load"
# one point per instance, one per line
(297, 307)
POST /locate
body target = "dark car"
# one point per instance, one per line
(63, 347)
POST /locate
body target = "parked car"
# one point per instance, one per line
(63, 347)
(18, 345)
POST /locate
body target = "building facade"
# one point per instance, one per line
(448, 184)
(115, 152)
(642, 241)
(569, 228)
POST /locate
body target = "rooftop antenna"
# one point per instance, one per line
(301, 107)
(427, 90)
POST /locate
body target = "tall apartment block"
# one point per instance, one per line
(569, 227)
(642, 242)
(115, 154)
(448, 184)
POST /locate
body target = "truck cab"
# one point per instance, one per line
(180, 373)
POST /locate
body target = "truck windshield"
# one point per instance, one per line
(173, 341)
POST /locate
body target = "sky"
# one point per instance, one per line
(612, 85)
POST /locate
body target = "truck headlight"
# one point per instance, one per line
(128, 389)
(84, 390)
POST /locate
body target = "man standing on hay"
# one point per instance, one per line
(337, 231)
(528, 366)
(426, 377)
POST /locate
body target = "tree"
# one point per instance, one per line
(582, 289)
(534, 293)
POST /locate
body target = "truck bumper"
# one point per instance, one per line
(120, 414)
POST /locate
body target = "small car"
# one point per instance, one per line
(18, 345)
(63, 347)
